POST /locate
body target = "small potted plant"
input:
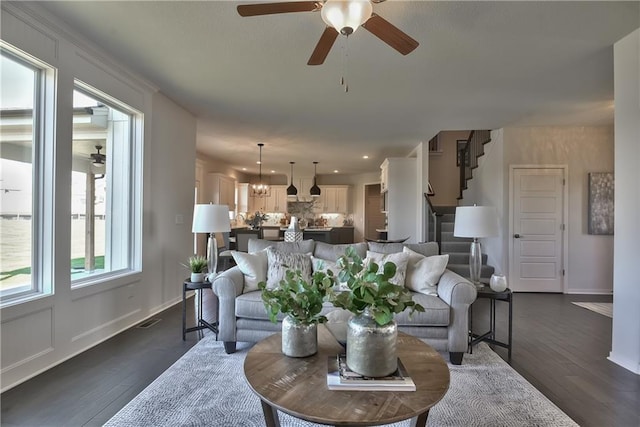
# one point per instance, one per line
(301, 302)
(371, 332)
(198, 267)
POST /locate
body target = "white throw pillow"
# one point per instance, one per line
(279, 262)
(400, 259)
(423, 273)
(253, 267)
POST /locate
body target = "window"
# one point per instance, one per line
(101, 187)
(19, 161)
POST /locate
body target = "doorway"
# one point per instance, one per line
(374, 218)
(537, 241)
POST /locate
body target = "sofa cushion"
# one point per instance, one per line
(385, 248)
(279, 262)
(400, 259)
(423, 273)
(333, 252)
(250, 306)
(426, 249)
(253, 266)
(436, 312)
(303, 247)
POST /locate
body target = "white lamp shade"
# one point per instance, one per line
(211, 219)
(346, 14)
(476, 221)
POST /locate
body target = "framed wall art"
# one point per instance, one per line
(601, 199)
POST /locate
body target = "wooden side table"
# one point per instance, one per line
(200, 322)
(490, 336)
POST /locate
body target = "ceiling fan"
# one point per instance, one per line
(98, 158)
(341, 17)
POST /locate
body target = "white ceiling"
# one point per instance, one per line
(479, 65)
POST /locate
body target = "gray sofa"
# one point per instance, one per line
(444, 324)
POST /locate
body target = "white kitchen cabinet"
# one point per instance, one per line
(223, 190)
(333, 199)
(275, 202)
(384, 176)
(243, 202)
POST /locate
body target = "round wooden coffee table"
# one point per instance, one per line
(298, 386)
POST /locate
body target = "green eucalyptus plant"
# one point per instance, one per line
(297, 297)
(370, 289)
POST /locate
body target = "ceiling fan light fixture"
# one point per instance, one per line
(346, 16)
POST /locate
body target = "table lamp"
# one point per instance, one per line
(211, 219)
(475, 222)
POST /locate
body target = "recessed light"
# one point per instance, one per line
(365, 157)
(335, 171)
(273, 171)
(244, 169)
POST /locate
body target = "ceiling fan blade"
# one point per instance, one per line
(390, 34)
(323, 47)
(282, 7)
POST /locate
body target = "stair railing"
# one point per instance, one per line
(434, 228)
(473, 149)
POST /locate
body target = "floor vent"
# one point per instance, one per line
(148, 323)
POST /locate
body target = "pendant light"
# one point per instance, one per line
(315, 190)
(292, 191)
(260, 189)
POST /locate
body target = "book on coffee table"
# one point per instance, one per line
(340, 377)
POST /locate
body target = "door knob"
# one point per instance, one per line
(516, 236)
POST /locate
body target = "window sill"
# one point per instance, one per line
(104, 284)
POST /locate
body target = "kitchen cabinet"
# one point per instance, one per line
(384, 177)
(243, 200)
(223, 190)
(333, 199)
(275, 202)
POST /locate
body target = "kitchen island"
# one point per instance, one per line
(333, 235)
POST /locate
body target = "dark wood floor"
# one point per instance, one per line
(558, 347)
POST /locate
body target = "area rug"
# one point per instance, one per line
(206, 387)
(604, 308)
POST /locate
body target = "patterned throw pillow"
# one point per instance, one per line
(253, 267)
(423, 273)
(400, 259)
(279, 262)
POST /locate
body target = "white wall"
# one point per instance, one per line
(625, 348)
(444, 175)
(42, 333)
(486, 189)
(583, 149)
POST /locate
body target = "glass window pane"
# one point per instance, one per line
(100, 187)
(17, 124)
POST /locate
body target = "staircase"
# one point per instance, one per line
(443, 217)
(457, 247)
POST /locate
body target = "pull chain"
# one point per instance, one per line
(345, 64)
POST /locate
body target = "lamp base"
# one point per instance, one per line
(475, 263)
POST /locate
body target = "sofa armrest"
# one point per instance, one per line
(227, 286)
(459, 293)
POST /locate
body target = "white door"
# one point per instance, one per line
(537, 206)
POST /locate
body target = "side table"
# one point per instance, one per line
(200, 322)
(490, 336)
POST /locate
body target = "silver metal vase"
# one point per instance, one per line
(371, 348)
(299, 339)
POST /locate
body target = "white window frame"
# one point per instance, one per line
(43, 146)
(134, 215)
